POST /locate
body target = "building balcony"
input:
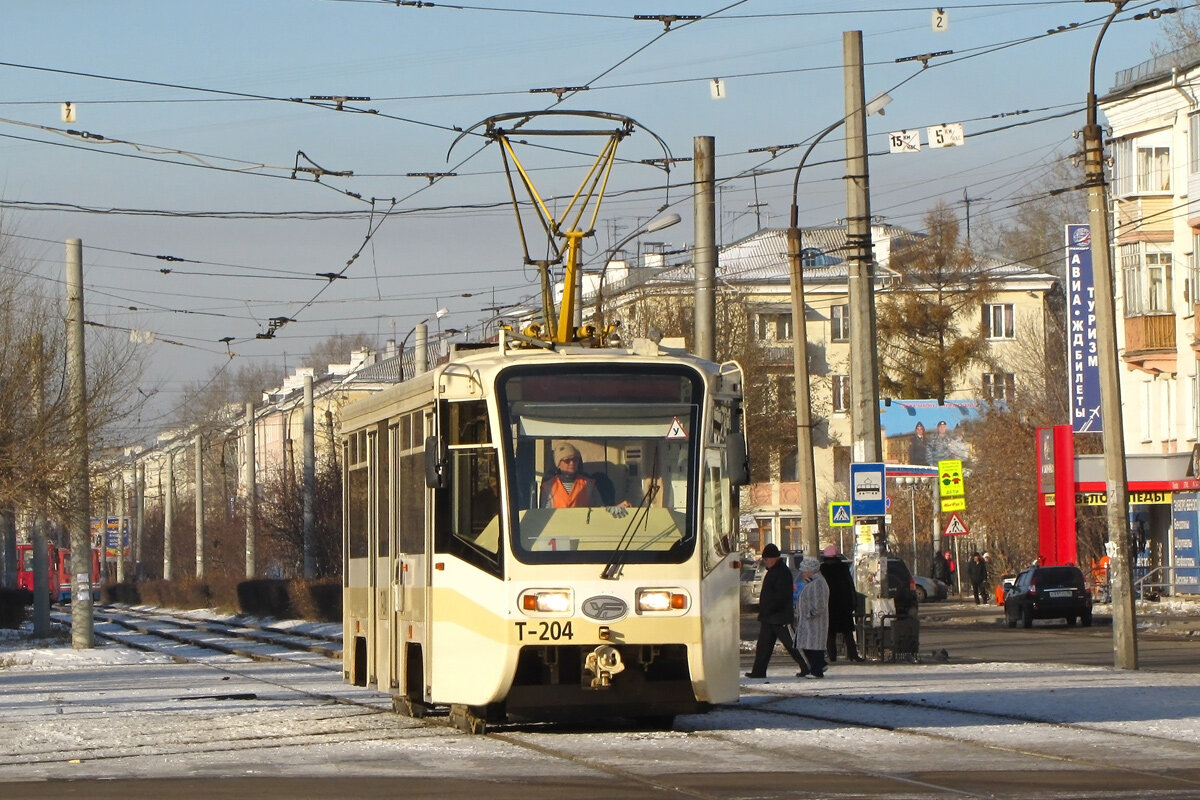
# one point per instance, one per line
(1150, 343)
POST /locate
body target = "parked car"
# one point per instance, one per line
(751, 585)
(930, 589)
(1048, 593)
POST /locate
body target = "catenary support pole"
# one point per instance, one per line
(250, 481)
(199, 492)
(310, 568)
(79, 516)
(1113, 431)
(139, 504)
(704, 251)
(169, 517)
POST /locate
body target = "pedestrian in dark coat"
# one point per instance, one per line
(842, 597)
(978, 576)
(941, 568)
(775, 614)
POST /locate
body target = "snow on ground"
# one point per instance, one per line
(152, 716)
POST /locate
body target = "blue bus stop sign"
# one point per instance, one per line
(867, 497)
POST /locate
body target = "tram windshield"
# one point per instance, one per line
(602, 462)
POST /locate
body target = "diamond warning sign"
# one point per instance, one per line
(677, 431)
(956, 526)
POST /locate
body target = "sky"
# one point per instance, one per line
(190, 171)
(69, 714)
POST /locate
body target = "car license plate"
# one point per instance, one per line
(1059, 593)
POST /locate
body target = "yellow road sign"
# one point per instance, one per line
(950, 478)
(839, 515)
(953, 504)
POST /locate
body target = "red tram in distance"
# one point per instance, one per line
(25, 574)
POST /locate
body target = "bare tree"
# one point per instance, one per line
(35, 445)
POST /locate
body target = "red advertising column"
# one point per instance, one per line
(1046, 498)
(1066, 539)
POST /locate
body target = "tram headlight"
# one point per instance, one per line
(660, 600)
(552, 601)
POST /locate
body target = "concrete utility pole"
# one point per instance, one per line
(251, 482)
(1113, 434)
(310, 480)
(139, 504)
(864, 371)
(199, 506)
(122, 529)
(169, 517)
(704, 252)
(79, 519)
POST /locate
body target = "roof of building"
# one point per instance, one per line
(762, 257)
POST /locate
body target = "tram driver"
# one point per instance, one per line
(569, 487)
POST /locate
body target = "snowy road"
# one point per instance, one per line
(115, 723)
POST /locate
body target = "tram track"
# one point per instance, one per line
(235, 646)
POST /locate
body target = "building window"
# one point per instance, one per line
(1193, 423)
(999, 321)
(785, 392)
(792, 533)
(789, 467)
(1194, 143)
(1154, 169)
(999, 386)
(1147, 411)
(1143, 166)
(1146, 278)
(775, 327)
(839, 323)
(841, 394)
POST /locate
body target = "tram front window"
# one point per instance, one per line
(600, 465)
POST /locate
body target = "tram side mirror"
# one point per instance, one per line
(739, 459)
(436, 457)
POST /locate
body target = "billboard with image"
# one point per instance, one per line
(928, 431)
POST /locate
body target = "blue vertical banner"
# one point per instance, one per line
(1083, 359)
(1185, 529)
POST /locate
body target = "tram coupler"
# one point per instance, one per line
(603, 663)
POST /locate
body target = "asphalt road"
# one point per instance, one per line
(970, 633)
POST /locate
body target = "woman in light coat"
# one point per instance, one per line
(812, 617)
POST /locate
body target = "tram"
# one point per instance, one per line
(542, 528)
(469, 584)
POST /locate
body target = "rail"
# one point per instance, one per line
(1144, 586)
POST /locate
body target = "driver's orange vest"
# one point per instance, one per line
(560, 498)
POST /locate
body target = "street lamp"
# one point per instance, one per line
(805, 470)
(653, 225)
(1113, 431)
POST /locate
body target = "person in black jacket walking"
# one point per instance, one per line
(842, 599)
(775, 614)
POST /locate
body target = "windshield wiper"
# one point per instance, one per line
(612, 570)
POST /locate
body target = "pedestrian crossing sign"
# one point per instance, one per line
(956, 526)
(839, 515)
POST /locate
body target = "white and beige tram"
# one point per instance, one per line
(469, 585)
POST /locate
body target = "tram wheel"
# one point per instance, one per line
(467, 720)
(409, 707)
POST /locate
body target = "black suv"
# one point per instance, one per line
(1048, 593)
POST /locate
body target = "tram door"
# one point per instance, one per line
(408, 561)
(380, 544)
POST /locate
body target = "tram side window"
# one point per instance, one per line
(410, 497)
(381, 488)
(357, 495)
